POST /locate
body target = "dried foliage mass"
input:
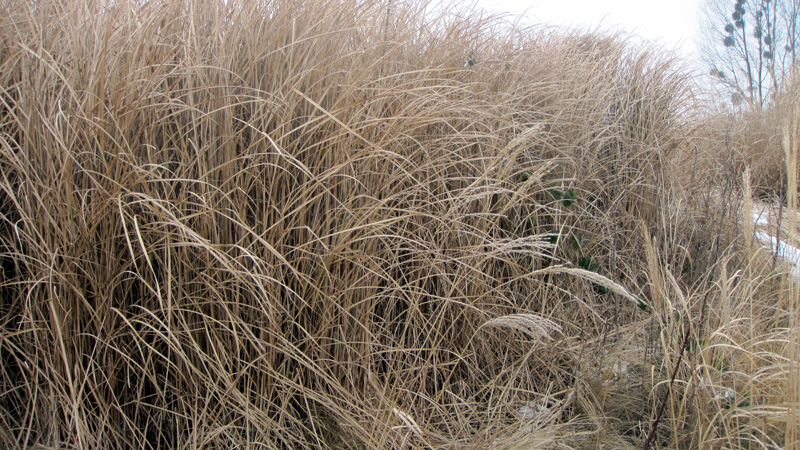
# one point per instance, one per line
(329, 224)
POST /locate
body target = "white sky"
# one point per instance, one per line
(672, 23)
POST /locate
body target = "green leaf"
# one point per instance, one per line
(642, 303)
(600, 289)
(568, 198)
(587, 263)
(556, 193)
(577, 241)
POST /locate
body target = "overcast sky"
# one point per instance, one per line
(673, 23)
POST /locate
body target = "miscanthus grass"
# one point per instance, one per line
(329, 224)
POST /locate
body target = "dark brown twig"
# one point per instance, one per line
(660, 413)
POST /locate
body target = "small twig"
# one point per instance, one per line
(777, 235)
(660, 413)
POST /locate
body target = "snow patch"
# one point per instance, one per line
(765, 220)
(719, 392)
(760, 216)
(536, 410)
(788, 252)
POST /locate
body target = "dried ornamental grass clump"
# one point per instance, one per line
(289, 224)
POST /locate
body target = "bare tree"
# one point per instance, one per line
(749, 46)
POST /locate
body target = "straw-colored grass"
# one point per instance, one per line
(328, 224)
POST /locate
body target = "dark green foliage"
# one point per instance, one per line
(565, 196)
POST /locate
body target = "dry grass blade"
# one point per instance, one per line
(596, 278)
(536, 327)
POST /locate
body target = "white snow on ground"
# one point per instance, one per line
(788, 252)
(762, 219)
(719, 392)
(536, 410)
(760, 216)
